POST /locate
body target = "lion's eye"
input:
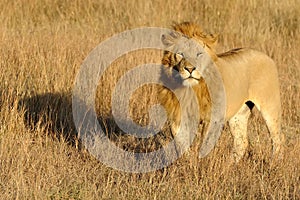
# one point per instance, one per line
(199, 54)
(179, 56)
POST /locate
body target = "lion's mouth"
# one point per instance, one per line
(191, 77)
(190, 81)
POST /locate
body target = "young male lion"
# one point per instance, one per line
(249, 77)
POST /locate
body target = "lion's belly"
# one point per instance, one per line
(237, 91)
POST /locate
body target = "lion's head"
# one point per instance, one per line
(184, 47)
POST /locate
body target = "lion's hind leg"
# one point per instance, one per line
(238, 128)
(271, 115)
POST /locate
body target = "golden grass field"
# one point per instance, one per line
(44, 42)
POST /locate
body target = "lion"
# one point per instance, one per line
(250, 79)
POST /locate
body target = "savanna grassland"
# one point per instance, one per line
(42, 46)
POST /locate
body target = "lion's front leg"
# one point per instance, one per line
(178, 141)
(182, 138)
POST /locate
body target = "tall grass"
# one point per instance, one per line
(44, 42)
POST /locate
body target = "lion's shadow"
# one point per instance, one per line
(52, 112)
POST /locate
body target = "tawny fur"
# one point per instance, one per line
(248, 76)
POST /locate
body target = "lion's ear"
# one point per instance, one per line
(212, 40)
(170, 39)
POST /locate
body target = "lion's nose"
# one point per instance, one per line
(190, 68)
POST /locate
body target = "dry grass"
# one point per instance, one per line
(43, 43)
